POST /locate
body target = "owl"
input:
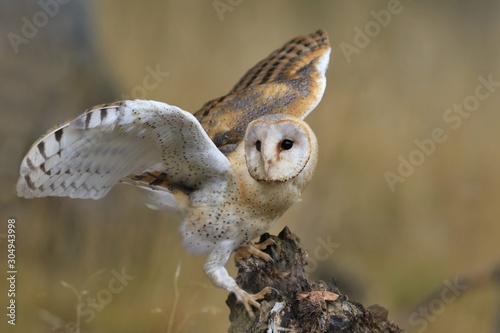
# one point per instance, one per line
(231, 169)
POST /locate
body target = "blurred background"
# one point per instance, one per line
(399, 238)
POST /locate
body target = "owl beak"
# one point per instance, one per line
(267, 167)
(267, 157)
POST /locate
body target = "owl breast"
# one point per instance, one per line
(240, 212)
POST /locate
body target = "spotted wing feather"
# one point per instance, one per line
(86, 157)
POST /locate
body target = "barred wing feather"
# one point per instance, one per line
(87, 156)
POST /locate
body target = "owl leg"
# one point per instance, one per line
(215, 270)
(255, 250)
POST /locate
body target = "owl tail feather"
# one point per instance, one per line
(155, 197)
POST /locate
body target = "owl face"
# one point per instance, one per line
(279, 147)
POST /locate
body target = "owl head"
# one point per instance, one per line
(280, 148)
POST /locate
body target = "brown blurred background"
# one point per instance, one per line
(391, 247)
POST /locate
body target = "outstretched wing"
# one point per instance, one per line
(87, 156)
(290, 80)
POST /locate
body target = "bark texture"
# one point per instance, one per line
(296, 303)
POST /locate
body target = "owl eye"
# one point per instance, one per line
(286, 144)
(257, 145)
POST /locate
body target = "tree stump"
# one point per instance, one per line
(296, 303)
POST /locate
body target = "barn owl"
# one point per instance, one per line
(231, 169)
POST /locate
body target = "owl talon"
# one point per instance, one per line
(250, 300)
(255, 250)
(265, 244)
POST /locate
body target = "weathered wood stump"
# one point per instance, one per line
(296, 303)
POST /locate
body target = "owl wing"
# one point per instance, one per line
(291, 80)
(87, 156)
